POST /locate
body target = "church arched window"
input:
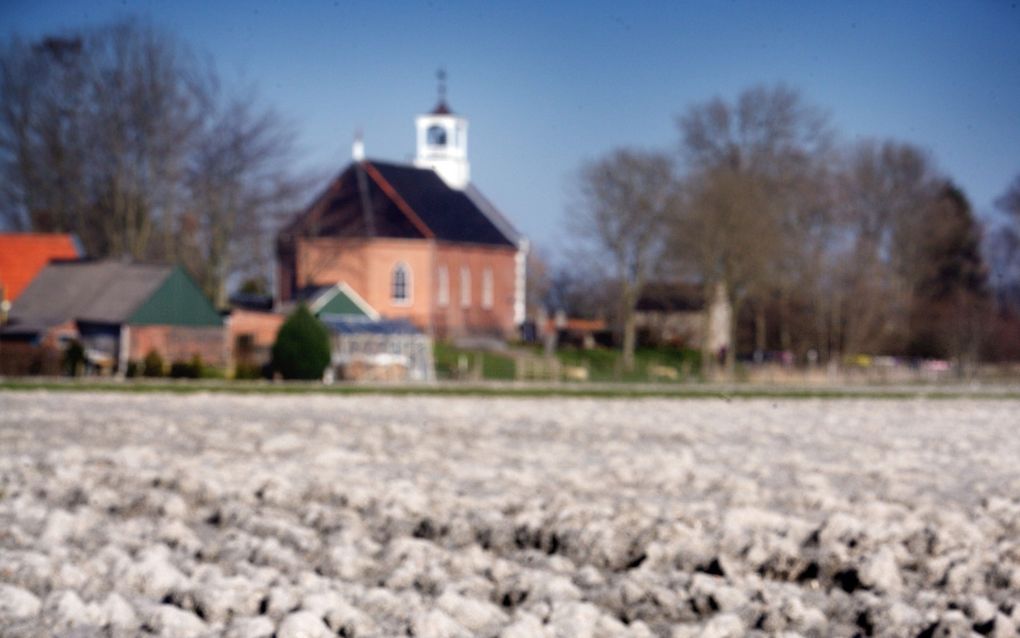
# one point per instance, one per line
(436, 136)
(487, 293)
(400, 288)
(444, 286)
(465, 287)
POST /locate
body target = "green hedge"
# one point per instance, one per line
(302, 349)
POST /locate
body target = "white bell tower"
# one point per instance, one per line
(442, 142)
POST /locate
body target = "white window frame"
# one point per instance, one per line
(465, 287)
(487, 288)
(407, 299)
(443, 282)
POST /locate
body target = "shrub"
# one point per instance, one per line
(247, 371)
(206, 371)
(74, 358)
(152, 365)
(302, 349)
(187, 369)
(180, 370)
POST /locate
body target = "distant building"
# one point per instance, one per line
(678, 314)
(415, 242)
(119, 312)
(584, 333)
(340, 300)
(364, 346)
(23, 255)
(251, 334)
(253, 330)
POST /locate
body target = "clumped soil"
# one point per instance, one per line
(375, 516)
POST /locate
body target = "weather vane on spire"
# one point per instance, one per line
(441, 76)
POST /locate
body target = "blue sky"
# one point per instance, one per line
(547, 86)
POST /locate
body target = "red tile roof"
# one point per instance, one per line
(23, 255)
(577, 325)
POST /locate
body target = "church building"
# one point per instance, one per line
(416, 242)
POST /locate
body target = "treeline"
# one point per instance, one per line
(836, 248)
(122, 136)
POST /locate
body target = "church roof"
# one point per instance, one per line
(380, 199)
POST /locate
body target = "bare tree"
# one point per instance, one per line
(1004, 250)
(95, 128)
(1009, 202)
(120, 135)
(883, 194)
(40, 133)
(751, 165)
(539, 281)
(238, 185)
(580, 289)
(625, 199)
(1002, 246)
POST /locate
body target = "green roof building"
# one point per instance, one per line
(120, 312)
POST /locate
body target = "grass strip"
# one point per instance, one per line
(562, 390)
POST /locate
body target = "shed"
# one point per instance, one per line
(340, 300)
(368, 349)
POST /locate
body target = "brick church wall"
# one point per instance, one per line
(454, 319)
(366, 265)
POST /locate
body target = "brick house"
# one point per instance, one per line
(119, 312)
(415, 242)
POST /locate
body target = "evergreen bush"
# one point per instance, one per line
(302, 349)
(152, 365)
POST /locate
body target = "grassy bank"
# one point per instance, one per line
(601, 365)
(524, 390)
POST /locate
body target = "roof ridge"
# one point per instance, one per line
(494, 215)
(395, 197)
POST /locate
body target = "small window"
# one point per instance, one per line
(487, 288)
(436, 136)
(400, 291)
(465, 287)
(443, 295)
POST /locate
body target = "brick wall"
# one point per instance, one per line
(252, 335)
(22, 358)
(475, 318)
(180, 343)
(367, 266)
